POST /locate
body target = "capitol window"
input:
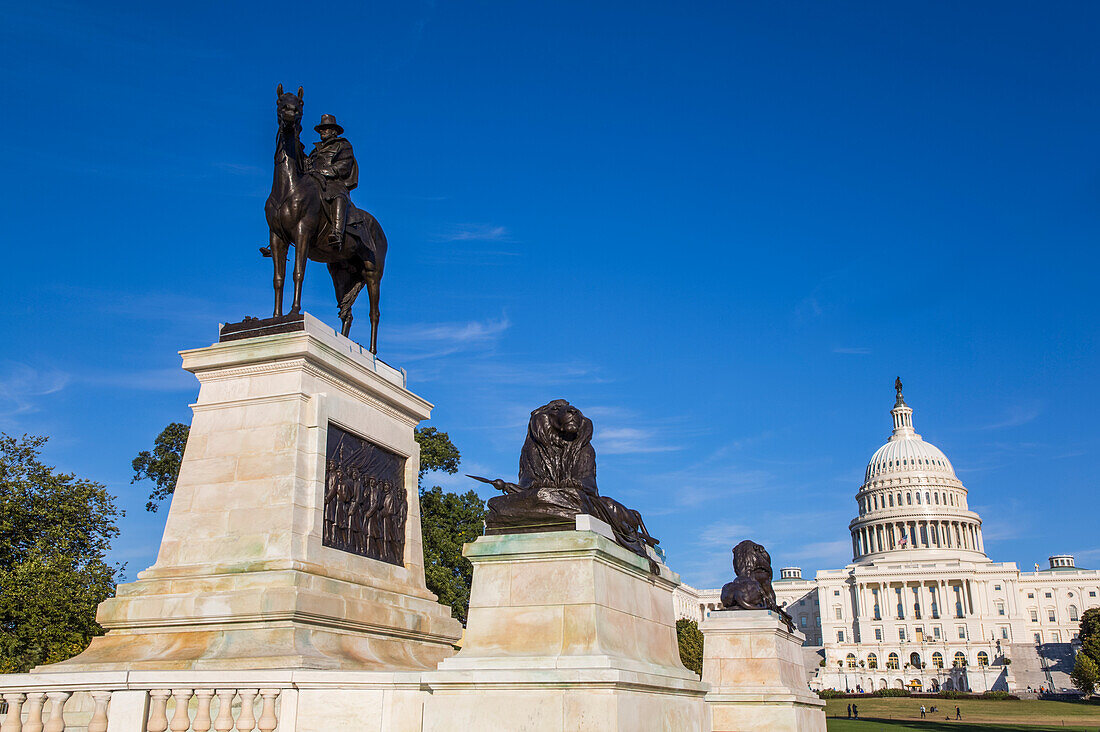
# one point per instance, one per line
(840, 636)
(850, 659)
(1073, 613)
(901, 633)
(892, 661)
(1004, 632)
(936, 632)
(960, 659)
(1092, 593)
(878, 634)
(802, 620)
(872, 660)
(1000, 608)
(909, 499)
(962, 632)
(937, 659)
(997, 588)
(836, 611)
(1047, 595)
(1055, 637)
(983, 658)
(1050, 615)
(918, 499)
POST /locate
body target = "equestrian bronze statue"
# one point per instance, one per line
(557, 481)
(309, 207)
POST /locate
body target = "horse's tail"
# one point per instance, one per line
(349, 299)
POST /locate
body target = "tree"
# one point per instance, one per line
(690, 640)
(162, 465)
(448, 520)
(437, 452)
(1090, 634)
(1085, 674)
(55, 531)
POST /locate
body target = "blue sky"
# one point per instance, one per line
(720, 229)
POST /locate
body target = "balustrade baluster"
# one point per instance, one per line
(35, 703)
(181, 721)
(246, 722)
(158, 708)
(56, 722)
(98, 722)
(268, 722)
(224, 722)
(14, 721)
(202, 714)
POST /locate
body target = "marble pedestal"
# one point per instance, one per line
(242, 580)
(566, 631)
(757, 675)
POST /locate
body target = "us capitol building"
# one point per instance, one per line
(921, 606)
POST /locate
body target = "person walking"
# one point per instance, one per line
(849, 711)
(958, 714)
(855, 712)
(922, 711)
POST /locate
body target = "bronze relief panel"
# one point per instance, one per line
(365, 504)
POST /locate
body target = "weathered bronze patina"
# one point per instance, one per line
(752, 590)
(557, 481)
(309, 207)
(365, 505)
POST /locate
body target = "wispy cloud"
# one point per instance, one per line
(822, 553)
(22, 384)
(1016, 415)
(852, 351)
(625, 440)
(174, 379)
(474, 232)
(421, 341)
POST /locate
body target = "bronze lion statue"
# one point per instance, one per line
(557, 481)
(752, 590)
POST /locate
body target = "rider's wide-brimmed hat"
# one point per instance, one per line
(328, 120)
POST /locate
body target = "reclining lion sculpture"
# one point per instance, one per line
(557, 481)
(752, 590)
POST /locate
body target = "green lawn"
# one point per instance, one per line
(977, 715)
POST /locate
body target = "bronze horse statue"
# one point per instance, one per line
(296, 216)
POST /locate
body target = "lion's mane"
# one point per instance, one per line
(747, 556)
(548, 459)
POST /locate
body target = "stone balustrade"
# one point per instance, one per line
(145, 702)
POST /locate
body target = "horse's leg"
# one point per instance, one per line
(304, 233)
(278, 258)
(374, 280)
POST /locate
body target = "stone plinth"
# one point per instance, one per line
(757, 676)
(242, 579)
(566, 631)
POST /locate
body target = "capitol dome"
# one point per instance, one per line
(911, 499)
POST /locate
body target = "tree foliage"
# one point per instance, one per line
(162, 465)
(1090, 634)
(55, 531)
(1085, 674)
(448, 520)
(437, 452)
(690, 640)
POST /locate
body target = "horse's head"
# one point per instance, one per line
(288, 107)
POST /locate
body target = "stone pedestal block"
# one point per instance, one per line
(566, 631)
(756, 674)
(243, 579)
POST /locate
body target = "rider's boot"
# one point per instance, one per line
(339, 222)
